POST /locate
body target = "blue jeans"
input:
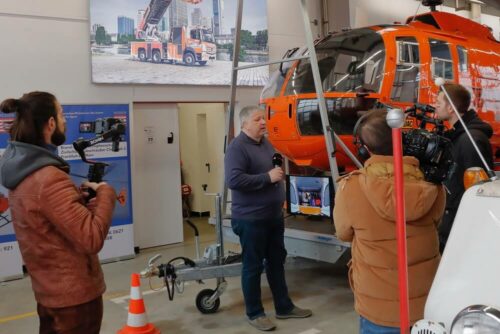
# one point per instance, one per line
(368, 327)
(262, 247)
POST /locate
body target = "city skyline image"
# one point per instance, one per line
(106, 12)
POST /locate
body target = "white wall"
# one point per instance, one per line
(338, 15)
(286, 25)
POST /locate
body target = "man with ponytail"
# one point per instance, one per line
(59, 234)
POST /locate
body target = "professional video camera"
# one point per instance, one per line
(106, 128)
(431, 148)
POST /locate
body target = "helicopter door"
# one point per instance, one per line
(407, 76)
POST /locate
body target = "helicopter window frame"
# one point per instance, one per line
(441, 60)
(439, 68)
(411, 46)
(406, 83)
(358, 43)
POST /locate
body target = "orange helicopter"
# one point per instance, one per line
(393, 64)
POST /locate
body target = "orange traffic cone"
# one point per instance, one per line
(137, 322)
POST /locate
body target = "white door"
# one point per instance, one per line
(203, 162)
(156, 175)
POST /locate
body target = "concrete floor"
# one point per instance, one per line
(321, 287)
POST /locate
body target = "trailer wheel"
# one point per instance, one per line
(189, 59)
(202, 303)
(142, 55)
(156, 56)
(202, 63)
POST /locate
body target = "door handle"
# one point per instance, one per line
(208, 166)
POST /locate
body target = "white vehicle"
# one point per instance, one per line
(465, 294)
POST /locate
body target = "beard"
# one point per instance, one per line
(58, 137)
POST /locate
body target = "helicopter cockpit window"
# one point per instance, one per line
(441, 65)
(407, 75)
(277, 78)
(348, 62)
(343, 113)
(273, 85)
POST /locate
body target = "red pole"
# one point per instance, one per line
(404, 313)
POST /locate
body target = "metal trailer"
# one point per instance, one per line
(304, 237)
(213, 264)
(312, 239)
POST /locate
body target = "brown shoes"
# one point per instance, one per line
(296, 312)
(262, 323)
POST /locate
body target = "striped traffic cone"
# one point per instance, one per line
(137, 322)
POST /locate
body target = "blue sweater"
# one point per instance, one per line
(246, 166)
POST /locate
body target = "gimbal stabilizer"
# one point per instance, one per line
(96, 169)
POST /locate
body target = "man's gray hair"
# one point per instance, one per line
(246, 112)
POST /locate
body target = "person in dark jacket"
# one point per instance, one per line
(464, 154)
(257, 218)
(59, 235)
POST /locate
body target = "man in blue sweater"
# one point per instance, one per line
(257, 218)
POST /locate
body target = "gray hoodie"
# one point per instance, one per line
(20, 160)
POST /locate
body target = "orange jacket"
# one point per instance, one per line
(364, 214)
(59, 237)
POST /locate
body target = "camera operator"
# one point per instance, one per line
(59, 237)
(464, 154)
(365, 214)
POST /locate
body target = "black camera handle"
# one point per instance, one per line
(96, 169)
(421, 112)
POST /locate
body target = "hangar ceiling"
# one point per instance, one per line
(491, 7)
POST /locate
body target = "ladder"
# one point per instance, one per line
(331, 138)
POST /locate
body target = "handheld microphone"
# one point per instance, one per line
(277, 160)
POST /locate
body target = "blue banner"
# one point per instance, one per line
(87, 122)
(11, 265)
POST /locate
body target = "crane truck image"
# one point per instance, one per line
(182, 45)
